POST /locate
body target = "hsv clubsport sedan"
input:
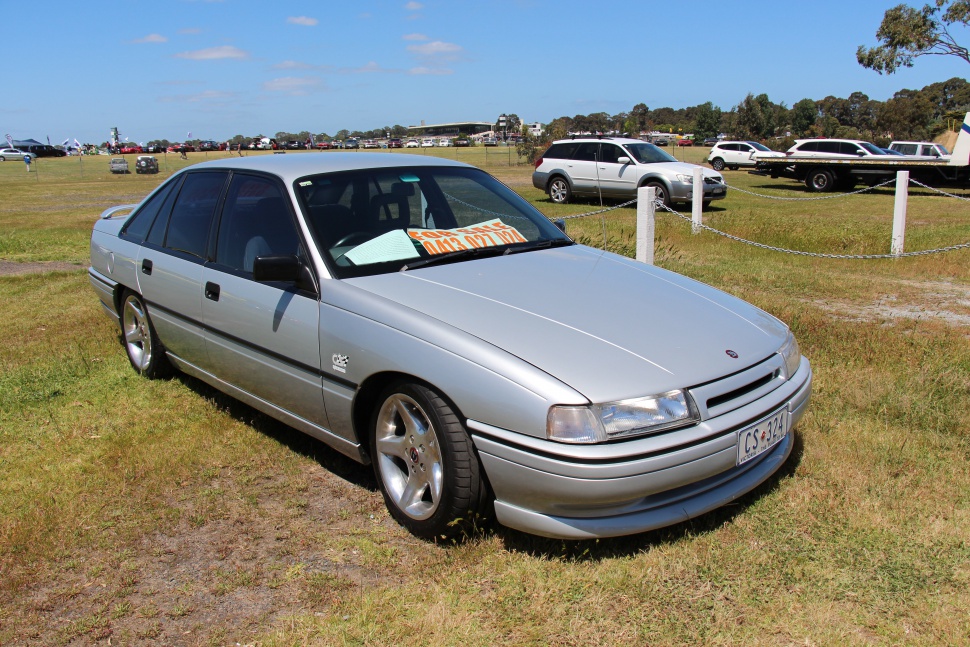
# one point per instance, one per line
(416, 314)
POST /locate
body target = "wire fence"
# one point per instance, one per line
(661, 206)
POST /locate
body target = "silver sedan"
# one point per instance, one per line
(417, 315)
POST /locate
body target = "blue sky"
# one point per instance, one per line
(217, 68)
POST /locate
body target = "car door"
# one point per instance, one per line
(742, 156)
(262, 338)
(616, 178)
(582, 167)
(170, 263)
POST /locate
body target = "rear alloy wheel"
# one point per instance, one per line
(425, 463)
(820, 180)
(145, 351)
(559, 191)
(717, 164)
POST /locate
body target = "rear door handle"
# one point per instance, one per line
(146, 266)
(212, 291)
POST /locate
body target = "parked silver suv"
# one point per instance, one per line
(616, 167)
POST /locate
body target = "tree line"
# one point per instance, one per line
(909, 114)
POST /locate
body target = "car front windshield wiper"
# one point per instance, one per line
(454, 257)
(539, 244)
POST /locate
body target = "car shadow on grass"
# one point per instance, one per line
(594, 550)
(327, 457)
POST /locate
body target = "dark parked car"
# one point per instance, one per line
(710, 141)
(394, 142)
(661, 142)
(146, 164)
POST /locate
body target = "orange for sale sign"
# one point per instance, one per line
(485, 234)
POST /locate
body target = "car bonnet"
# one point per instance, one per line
(604, 325)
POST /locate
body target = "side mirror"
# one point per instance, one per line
(560, 224)
(623, 160)
(288, 269)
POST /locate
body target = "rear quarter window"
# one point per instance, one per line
(564, 151)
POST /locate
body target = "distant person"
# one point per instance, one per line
(182, 154)
(27, 162)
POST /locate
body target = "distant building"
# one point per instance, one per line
(450, 130)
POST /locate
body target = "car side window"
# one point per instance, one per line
(191, 219)
(848, 148)
(809, 147)
(744, 148)
(563, 151)
(611, 153)
(829, 147)
(587, 152)
(137, 228)
(255, 222)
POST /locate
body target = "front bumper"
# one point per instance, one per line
(584, 492)
(684, 192)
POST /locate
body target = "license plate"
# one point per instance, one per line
(762, 436)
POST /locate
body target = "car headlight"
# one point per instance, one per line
(791, 355)
(598, 423)
(686, 179)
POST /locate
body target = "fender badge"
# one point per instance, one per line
(731, 354)
(340, 362)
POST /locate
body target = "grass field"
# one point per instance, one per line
(142, 512)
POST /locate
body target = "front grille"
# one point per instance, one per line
(735, 391)
(711, 180)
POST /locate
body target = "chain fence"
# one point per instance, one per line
(925, 252)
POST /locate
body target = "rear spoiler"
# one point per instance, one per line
(111, 211)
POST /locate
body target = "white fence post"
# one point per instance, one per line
(646, 213)
(697, 202)
(899, 212)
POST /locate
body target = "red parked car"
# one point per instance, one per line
(131, 149)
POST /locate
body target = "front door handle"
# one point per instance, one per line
(146, 266)
(212, 291)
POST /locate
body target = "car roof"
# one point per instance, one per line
(291, 167)
(832, 139)
(593, 138)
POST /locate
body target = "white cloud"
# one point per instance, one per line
(414, 6)
(151, 38)
(300, 65)
(370, 68)
(293, 85)
(302, 20)
(414, 37)
(435, 71)
(190, 30)
(214, 53)
(437, 51)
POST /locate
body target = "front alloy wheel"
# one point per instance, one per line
(425, 463)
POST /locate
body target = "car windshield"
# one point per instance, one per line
(760, 147)
(872, 148)
(376, 221)
(645, 153)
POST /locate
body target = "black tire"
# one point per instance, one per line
(559, 190)
(820, 180)
(734, 168)
(425, 463)
(144, 350)
(663, 195)
(717, 164)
